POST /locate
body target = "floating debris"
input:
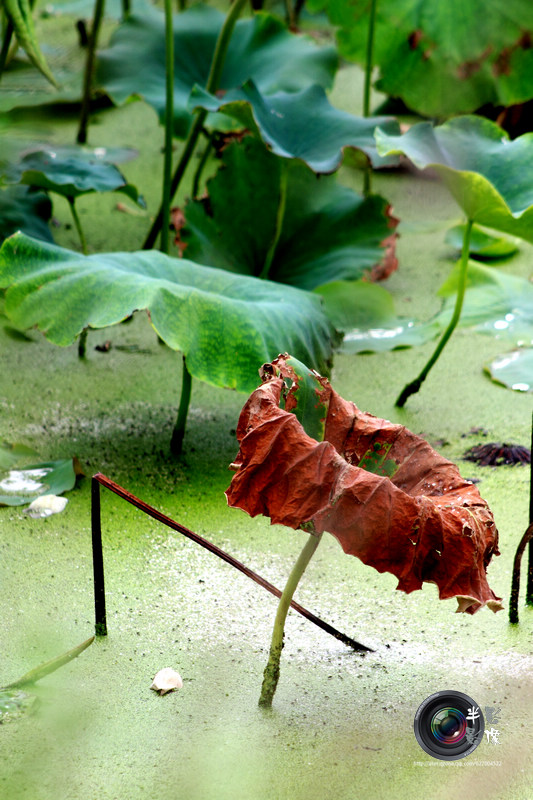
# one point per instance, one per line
(494, 454)
(166, 680)
(45, 506)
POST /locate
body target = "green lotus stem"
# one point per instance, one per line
(178, 433)
(182, 5)
(169, 125)
(369, 65)
(279, 218)
(215, 73)
(289, 14)
(414, 386)
(6, 42)
(82, 341)
(271, 673)
(99, 8)
(42, 670)
(77, 223)
(200, 168)
(126, 8)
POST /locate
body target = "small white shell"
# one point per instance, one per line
(166, 680)
(45, 505)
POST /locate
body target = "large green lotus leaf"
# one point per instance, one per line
(495, 303)
(21, 486)
(514, 370)
(260, 48)
(70, 174)
(301, 125)
(328, 232)
(22, 209)
(489, 175)
(226, 325)
(442, 58)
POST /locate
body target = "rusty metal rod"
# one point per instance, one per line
(195, 537)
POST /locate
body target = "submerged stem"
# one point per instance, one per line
(271, 673)
(169, 125)
(279, 219)
(213, 81)
(99, 8)
(414, 386)
(178, 433)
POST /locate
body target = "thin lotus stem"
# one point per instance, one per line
(200, 167)
(48, 667)
(515, 586)
(298, 7)
(82, 342)
(529, 588)
(279, 219)
(188, 150)
(179, 428)
(169, 125)
(289, 14)
(271, 673)
(6, 42)
(369, 62)
(213, 81)
(77, 223)
(182, 5)
(99, 8)
(415, 385)
(369, 65)
(126, 8)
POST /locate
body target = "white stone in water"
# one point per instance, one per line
(45, 506)
(166, 680)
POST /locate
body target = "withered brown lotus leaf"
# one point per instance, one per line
(383, 492)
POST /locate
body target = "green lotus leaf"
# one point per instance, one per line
(301, 124)
(514, 369)
(488, 175)
(260, 48)
(23, 485)
(23, 209)
(225, 325)
(495, 303)
(302, 398)
(328, 232)
(442, 58)
(70, 174)
(483, 245)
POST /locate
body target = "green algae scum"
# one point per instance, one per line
(341, 724)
